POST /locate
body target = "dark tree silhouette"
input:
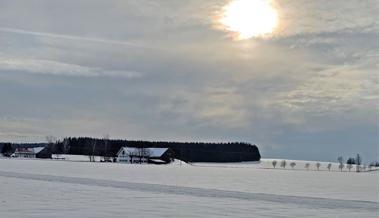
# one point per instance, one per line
(340, 161)
(350, 161)
(274, 162)
(358, 162)
(7, 149)
(329, 166)
(349, 166)
(307, 166)
(292, 164)
(185, 151)
(283, 164)
(318, 164)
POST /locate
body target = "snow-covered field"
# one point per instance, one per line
(52, 188)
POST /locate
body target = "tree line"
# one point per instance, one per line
(350, 164)
(185, 151)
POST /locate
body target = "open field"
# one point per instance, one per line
(47, 188)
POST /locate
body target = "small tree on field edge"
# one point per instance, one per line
(349, 166)
(283, 164)
(318, 165)
(292, 164)
(307, 166)
(329, 166)
(340, 161)
(341, 166)
(358, 162)
(274, 162)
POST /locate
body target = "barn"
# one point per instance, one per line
(144, 155)
(35, 152)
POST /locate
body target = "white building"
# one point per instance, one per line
(143, 155)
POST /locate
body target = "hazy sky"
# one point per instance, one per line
(165, 70)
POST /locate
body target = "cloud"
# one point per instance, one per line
(302, 17)
(344, 94)
(71, 37)
(315, 79)
(314, 17)
(210, 106)
(18, 129)
(48, 67)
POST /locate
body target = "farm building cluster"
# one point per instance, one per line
(144, 155)
(36, 152)
(128, 155)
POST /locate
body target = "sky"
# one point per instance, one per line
(168, 70)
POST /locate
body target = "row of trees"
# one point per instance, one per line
(138, 154)
(283, 164)
(64, 147)
(107, 149)
(186, 151)
(349, 164)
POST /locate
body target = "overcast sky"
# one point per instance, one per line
(164, 70)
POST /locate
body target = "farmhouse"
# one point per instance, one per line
(144, 155)
(36, 152)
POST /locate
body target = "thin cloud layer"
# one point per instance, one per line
(48, 67)
(162, 71)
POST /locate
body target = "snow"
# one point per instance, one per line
(70, 157)
(36, 150)
(50, 188)
(153, 152)
(157, 152)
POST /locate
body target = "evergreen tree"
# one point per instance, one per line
(7, 150)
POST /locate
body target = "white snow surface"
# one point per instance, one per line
(36, 150)
(70, 157)
(51, 188)
(153, 152)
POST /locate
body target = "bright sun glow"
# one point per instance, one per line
(249, 18)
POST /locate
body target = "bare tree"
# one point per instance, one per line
(66, 146)
(329, 166)
(133, 154)
(318, 164)
(292, 164)
(274, 162)
(341, 166)
(106, 156)
(50, 139)
(51, 144)
(93, 149)
(340, 161)
(283, 164)
(307, 166)
(349, 166)
(358, 162)
(143, 153)
(364, 167)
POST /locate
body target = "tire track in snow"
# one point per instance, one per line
(307, 202)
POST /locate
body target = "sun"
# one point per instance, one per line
(249, 18)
